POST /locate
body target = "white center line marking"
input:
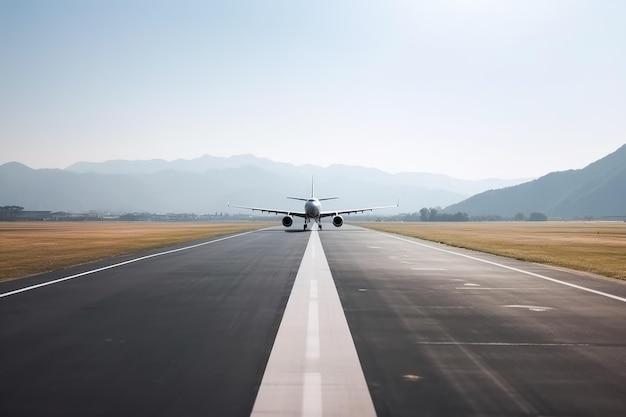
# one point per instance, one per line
(313, 325)
(313, 368)
(312, 395)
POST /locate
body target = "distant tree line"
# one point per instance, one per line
(10, 212)
(537, 217)
(435, 215)
(519, 217)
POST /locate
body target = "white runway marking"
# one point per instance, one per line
(500, 288)
(530, 308)
(93, 271)
(312, 395)
(427, 269)
(510, 268)
(313, 368)
(313, 325)
(503, 344)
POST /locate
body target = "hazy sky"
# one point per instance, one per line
(472, 89)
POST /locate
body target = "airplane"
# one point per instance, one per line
(312, 211)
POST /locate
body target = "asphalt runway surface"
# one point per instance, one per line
(340, 322)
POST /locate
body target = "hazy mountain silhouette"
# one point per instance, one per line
(597, 190)
(206, 184)
(207, 162)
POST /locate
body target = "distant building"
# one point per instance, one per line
(33, 215)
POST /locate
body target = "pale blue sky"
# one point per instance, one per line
(472, 89)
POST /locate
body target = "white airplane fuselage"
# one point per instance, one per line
(313, 208)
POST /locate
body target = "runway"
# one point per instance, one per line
(433, 330)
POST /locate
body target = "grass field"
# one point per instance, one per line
(28, 248)
(33, 247)
(597, 247)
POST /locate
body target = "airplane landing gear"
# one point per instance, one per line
(319, 225)
(304, 226)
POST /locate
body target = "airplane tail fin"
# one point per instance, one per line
(313, 193)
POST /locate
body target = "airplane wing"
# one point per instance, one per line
(264, 210)
(359, 210)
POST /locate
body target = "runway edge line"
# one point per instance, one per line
(510, 268)
(130, 261)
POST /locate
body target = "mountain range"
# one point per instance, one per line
(206, 184)
(598, 190)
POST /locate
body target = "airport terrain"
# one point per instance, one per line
(28, 248)
(596, 247)
(192, 330)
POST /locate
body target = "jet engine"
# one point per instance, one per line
(337, 221)
(287, 221)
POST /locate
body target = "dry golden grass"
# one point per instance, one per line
(597, 247)
(33, 247)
